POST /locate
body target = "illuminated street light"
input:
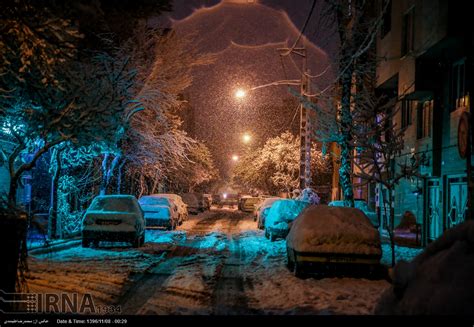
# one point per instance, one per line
(240, 93)
(246, 138)
(235, 157)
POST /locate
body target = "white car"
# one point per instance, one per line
(281, 215)
(248, 204)
(113, 218)
(182, 207)
(159, 212)
(329, 240)
(361, 205)
(262, 211)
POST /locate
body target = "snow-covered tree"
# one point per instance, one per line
(274, 167)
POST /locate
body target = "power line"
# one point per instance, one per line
(302, 30)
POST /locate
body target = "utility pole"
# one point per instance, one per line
(305, 123)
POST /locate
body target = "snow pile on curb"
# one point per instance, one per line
(327, 229)
(438, 281)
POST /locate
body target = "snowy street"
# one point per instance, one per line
(217, 262)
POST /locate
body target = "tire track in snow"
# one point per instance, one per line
(143, 287)
(229, 296)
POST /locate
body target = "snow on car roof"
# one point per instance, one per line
(284, 210)
(328, 229)
(119, 203)
(154, 200)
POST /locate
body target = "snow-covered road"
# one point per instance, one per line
(217, 262)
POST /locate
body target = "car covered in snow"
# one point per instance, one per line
(280, 216)
(249, 203)
(178, 201)
(113, 218)
(330, 240)
(262, 210)
(194, 202)
(361, 205)
(207, 201)
(159, 212)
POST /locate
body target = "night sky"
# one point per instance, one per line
(245, 37)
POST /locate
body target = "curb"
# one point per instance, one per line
(55, 247)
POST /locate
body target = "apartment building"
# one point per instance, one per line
(424, 51)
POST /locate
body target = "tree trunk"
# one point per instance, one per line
(53, 209)
(345, 170)
(391, 226)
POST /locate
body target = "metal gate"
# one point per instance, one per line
(434, 209)
(457, 197)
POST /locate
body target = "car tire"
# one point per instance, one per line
(298, 270)
(290, 264)
(86, 243)
(272, 237)
(142, 240)
(136, 242)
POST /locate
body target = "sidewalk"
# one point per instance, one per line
(40, 246)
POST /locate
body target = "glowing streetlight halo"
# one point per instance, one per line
(246, 138)
(240, 93)
(235, 157)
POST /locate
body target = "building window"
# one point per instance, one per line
(386, 19)
(458, 85)
(408, 31)
(406, 113)
(423, 119)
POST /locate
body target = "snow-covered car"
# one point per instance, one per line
(281, 215)
(329, 240)
(178, 201)
(207, 201)
(361, 205)
(193, 203)
(113, 218)
(262, 211)
(248, 204)
(159, 212)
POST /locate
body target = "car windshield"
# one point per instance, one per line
(113, 204)
(153, 200)
(251, 200)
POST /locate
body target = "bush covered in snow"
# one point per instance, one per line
(438, 281)
(324, 229)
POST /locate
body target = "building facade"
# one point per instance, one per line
(424, 51)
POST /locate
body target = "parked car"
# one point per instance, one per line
(248, 204)
(262, 211)
(193, 202)
(159, 212)
(113, 218)
(361, 205)
(178, 201)
(281, 214)
(207, 201)
(334, 241)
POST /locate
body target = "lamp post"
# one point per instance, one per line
(305, 128)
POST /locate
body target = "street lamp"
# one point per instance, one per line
(246, 138)
(235, 157)
(240, 93)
